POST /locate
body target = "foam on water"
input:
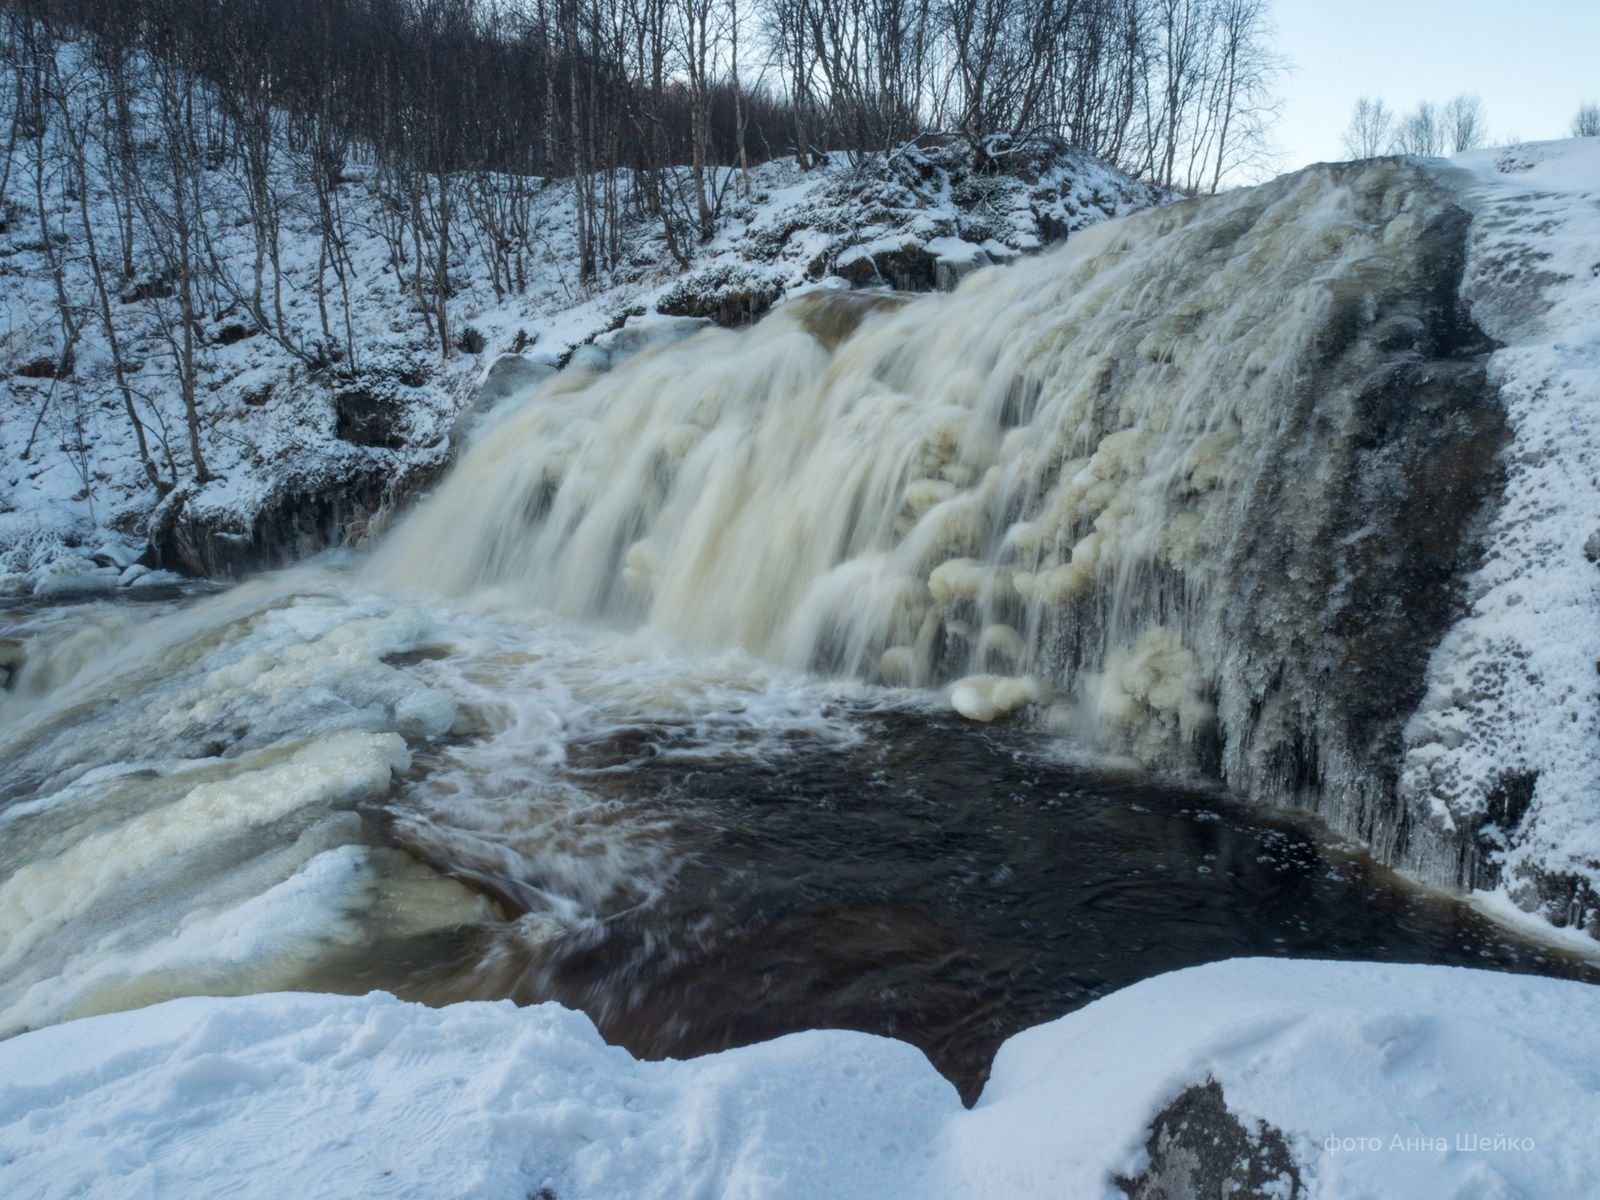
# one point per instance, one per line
(203, 798)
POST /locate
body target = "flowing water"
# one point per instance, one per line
(306, 783)
(649, 708)
(1193, 488)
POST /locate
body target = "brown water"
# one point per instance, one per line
(937, 882)
(696, 849)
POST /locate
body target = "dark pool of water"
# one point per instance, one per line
(941, 883)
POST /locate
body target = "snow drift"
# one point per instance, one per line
(1377, 1080)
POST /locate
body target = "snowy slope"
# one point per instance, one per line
(1384, 1080)
(1507, 741)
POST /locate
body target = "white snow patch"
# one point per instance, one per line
(1512, 699)
(1457, 1083)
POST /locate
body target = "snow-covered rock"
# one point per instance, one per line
(641, 333)
(1505, 747)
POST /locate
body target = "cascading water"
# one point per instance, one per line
(635, 712)
(1195, 487)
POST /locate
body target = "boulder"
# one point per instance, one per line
(730, 295)
(509, 376)
(589, 358)
(1199, 1149)
(369, 418)
(638, 335)
(903, 263)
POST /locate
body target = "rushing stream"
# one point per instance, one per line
(306, 783)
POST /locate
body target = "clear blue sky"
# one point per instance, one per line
(1532, 62)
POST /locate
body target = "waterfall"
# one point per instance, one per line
(1205, 488)
(1195, 487)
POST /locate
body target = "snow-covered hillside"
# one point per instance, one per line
(301, 451)
(1338, 1080)
(1507, 740)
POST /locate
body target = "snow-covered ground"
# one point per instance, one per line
(1508, 737)
(1385, 1081)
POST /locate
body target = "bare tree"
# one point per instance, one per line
(77, 109)
(1587, 122)
(1464, 124)
(700, 35)
(172, 207)
(1371, 128)
(1238, 98)
(1420, 132)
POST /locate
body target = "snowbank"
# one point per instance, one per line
(1506, 745)
(1384, 1080)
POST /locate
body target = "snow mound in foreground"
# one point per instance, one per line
(1385, 1080)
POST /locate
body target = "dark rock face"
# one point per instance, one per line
(729, 296)
(298, 521)
(11, 660)
(366, 416)
(258, 396)
(232, 333)
(156, 287)
(1199, 1150)
(909, 268)
(46, 367)
(1345, 590)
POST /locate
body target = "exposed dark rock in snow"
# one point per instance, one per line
(905, 265)
(11, 660)
(45, 367)
(729, 294)
(369, 418)
(1200, 1150)
(298, 520)
(232, 333)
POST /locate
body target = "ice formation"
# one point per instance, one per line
(184, 793)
